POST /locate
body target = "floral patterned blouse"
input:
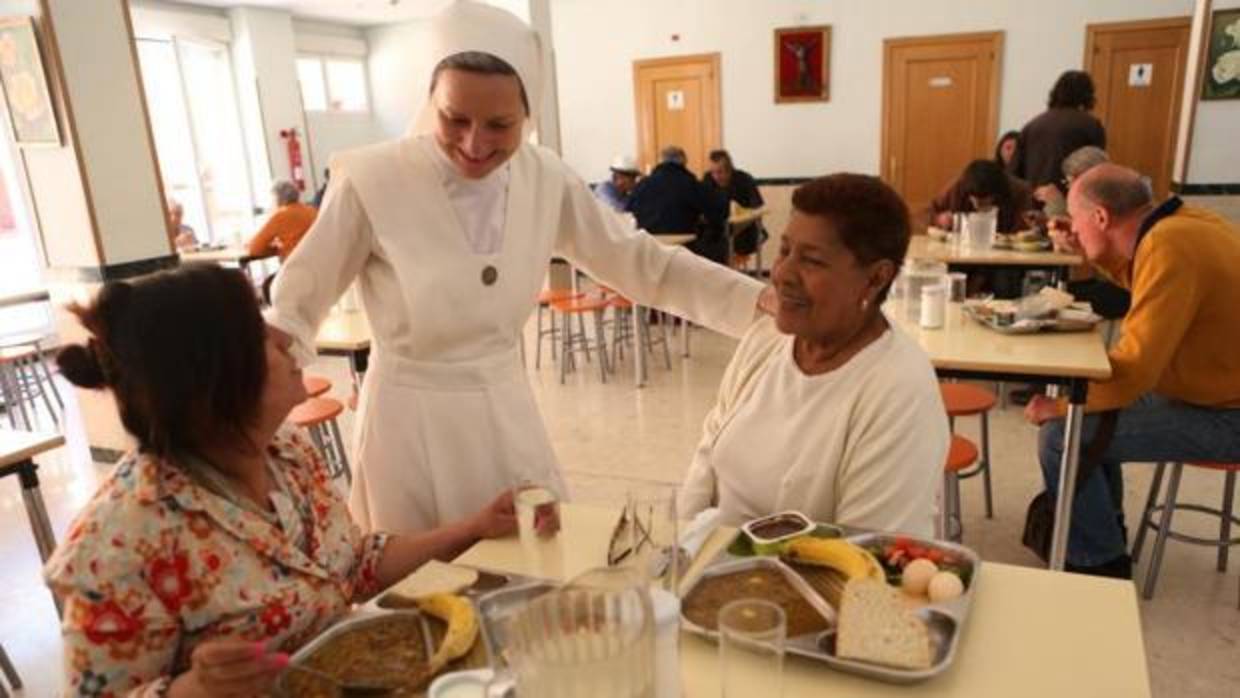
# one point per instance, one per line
(157, 564)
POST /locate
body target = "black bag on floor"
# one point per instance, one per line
(1040, 517)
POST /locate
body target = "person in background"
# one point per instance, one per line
(616, 190)
(1051, 196)
(318, 195)
(828, 408)
(1107, 299)
(738, 186)
(1005, 150)
(672, 201)
(1065, 126)
(1175, 372)
(220, 545)
(984, 185)
(286, 226)
(180, 235)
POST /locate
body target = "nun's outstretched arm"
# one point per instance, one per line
(325, 262)
(608, 248)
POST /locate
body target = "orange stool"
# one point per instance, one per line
(575, 341)
(961, 455)
(1168, 507)
(545, 299)
(622, 331)
(315, 385)
(317, 415)
(964, 400)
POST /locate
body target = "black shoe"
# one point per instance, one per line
(1118, 568)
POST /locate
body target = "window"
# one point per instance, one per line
(332, 84)
(197, 133)
(313, 89)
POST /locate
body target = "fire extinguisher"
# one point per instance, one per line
(294, 157)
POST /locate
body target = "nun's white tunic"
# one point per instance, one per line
(446, 418)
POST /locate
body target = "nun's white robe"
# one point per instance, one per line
(446, 418)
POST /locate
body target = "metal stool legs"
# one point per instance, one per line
(1166, 511)
(10, 672)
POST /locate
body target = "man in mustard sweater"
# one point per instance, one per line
(1175, 373)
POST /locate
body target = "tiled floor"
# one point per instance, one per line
(610, 435)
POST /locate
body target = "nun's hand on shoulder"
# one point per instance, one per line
(768, 302)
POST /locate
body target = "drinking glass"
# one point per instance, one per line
(654, 530)
(538, 513)
(751, 648)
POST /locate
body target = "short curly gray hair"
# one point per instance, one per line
(285, 192)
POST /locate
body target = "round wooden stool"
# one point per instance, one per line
(317, 415)
(964, 400)
(545, 299)
(316, 386)
(574, 341)
(961, 455)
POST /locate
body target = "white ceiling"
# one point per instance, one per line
(357, 12)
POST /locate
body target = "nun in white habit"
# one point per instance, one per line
(449, 232)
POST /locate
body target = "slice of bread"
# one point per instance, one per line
(875, 626)
(432, 578)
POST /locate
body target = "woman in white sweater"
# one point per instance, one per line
(828, 408)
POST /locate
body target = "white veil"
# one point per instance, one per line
(466, 25)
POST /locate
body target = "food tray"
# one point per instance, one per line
(945, 620)
(1030, 326)
(353, 621)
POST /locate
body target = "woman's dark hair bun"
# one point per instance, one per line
(80, 366)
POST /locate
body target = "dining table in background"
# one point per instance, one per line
(963, 348)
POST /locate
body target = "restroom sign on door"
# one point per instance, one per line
(1140, 74)
(675, 100)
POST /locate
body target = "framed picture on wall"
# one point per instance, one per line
(1222, 69)
(25, 84)
(802, 64)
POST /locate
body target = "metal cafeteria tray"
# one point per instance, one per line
(945, 621)
(488, 581)
(1031, 326)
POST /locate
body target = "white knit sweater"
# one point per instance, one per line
(862, 445)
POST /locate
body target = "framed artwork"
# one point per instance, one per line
(1222, 69)
(25, 84)
(802, 64)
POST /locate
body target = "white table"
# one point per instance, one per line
(963, 348)
(24, 297)
(347, 333)
(1031, 633)
(956, 254)
(17, 452)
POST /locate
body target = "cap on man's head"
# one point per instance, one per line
(625, 164)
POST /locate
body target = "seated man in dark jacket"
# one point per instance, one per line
(723, 179)
(672, 201)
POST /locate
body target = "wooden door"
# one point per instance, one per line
(677, 104)
(1138, 70)
(940, 110)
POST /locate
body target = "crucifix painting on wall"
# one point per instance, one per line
(802, 64)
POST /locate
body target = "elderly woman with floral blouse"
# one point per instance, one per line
(220, 544)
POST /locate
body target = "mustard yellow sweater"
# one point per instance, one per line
(1181, 338)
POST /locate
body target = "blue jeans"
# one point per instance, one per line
(1152, 429)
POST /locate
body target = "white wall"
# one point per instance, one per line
(113, 142)
(596, 44)
(399, 76)
(1216, 134)
(400, 70)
